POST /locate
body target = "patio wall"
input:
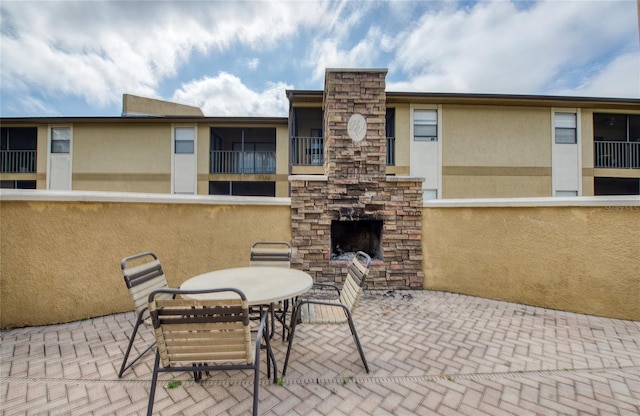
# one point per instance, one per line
(60, 251)
(573, 254)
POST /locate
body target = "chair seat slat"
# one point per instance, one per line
(323, 314)
(209, 358)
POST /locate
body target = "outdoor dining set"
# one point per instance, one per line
(223, 319)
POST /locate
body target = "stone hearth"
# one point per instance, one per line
(356, 188)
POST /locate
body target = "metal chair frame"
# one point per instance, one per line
(196, 335)
(273, 254)
(141, 280)
(349, 296)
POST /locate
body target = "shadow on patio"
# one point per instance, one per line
(429, 353)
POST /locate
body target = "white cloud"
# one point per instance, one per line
(253, 63)
(329, 54)
(99, 50)
(618, 79)
(335, 45)
(226, 95)
(496, 47)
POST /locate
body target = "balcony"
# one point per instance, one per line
(17, 161)
(309, 151)
(618, 155)
(232, 161)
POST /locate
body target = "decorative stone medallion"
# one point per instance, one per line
(357, 127)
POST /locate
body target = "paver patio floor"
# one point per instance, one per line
(429, 352)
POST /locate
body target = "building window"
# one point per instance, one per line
(17, 184)
(616, 140)
(60, 139)
(616, 186)
(565, 128)
(184, 139)
(242, 188)
(566, 193)
(425, 125)
(18, 149)
(429, 194)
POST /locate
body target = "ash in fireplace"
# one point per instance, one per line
(342, 256)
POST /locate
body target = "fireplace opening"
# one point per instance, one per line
(349, 237)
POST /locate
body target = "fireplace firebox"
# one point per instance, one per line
(349, 237)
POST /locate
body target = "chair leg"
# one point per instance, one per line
(154, 379)
(295, 315)
(126, 366)
(271, 360)
(355, 338)
(256, 377)
(283, 318)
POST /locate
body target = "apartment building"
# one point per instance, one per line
(463, 145)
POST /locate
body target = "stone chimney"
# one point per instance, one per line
(355, 206)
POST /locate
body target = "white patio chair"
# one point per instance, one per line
(322, 312)
(142, 274)
(202, 335)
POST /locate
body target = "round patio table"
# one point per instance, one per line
(261, 285)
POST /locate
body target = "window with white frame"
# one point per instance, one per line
(565, 128)
(425, 125)
(184, 140)
(60, 139)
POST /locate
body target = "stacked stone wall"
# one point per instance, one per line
(355, 188)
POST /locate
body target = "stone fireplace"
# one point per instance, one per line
(354, 205)
(349, 237)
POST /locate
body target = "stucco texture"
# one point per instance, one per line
(580, 259)
(60, 261)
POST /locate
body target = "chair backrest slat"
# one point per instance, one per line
(193, 330)
(270, 254)
(354, 282)
(142, 274)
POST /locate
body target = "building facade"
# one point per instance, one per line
(462, 145)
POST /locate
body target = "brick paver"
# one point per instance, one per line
(429, 353)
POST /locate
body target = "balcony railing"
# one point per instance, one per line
(17, 161)
(309, 151)
(391, 151)
(232, 161)
(619, 155)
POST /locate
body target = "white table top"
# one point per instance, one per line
(261, 285)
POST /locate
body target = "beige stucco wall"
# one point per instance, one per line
(580, 258)
(403, 141)
(135, 105)
(60, 261)
(282, 161)
(203, 133)
(122, 157)
(586, 144)
(495, 151)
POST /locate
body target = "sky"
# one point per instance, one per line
(237, 58)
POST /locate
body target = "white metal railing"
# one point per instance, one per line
(307, 151)
(16, 161)
(622, 155)
(233, 161)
